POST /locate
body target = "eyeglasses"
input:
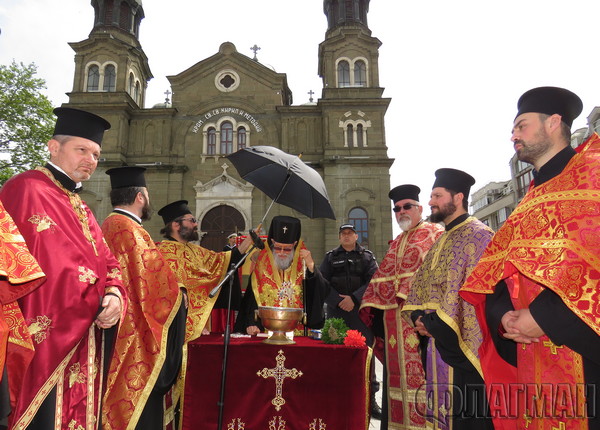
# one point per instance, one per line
(406, 207)
(278, 248)
(192, 220)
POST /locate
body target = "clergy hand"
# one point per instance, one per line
(347, 304)
(307, 256)
(520, 326)
(252, 239)
(111, 313)
(420, 328)
(252, 330)
(186, 299)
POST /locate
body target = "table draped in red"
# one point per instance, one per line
(309, 385)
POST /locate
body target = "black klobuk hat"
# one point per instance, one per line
(174, 210)
(127, 176)
(455, 180)
(285, 229)
(551, 100)
(75, 122)
(403, 192)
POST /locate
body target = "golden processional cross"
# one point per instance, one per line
(279, 373)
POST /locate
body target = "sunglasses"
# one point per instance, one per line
(406, 207)
(278, 248)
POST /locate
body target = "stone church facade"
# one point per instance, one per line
(229, 101)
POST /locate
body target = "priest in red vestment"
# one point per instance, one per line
(397, 344)
(197, 269)
(283, 272)
(19, 275)
(82, 294)
(537, 286)
(148, 350)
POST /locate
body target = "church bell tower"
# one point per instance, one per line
(348, 58)
(112, 71)
(355, 151)
(110, 63)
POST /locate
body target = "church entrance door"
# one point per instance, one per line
(217, 224)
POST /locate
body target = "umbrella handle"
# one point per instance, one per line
(287, 179)
(258, 243)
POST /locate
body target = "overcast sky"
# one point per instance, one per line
(454, 70)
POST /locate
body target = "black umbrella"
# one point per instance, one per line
(285, 178)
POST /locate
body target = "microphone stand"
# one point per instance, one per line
(305, 316)
(257, 243)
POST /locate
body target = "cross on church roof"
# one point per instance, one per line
(167, 93)
(310, 94)
(255, 48)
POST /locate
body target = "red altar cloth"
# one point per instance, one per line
(321, 386)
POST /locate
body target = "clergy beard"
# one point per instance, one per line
(531, 151)
(283, 262)
(443, 212)
(405, 223)
(188, 234)
(146, 210)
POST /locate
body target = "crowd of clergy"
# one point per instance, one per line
(475, 329)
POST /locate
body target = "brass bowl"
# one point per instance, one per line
(279, 321)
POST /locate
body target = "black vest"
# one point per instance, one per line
(347, 269)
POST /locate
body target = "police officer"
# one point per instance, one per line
(348, 270)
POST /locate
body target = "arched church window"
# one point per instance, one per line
(359, 136)
(360, 74)
(350, 135)
(241, 138)
(211, 144)
(360, 219)
(110, 78)
(93, 78)
(137, 94)
(343, 70)
(131, 84)
(226, 138)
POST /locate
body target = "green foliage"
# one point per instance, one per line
(334, 331)
(26, 119)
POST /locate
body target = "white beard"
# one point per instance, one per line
(405, 224)
(285, 262)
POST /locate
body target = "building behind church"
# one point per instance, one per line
(230, 101)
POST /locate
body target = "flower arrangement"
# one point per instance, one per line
(334, 331)
(354, 338)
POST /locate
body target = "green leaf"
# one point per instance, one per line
(26, 119)
(334, 331)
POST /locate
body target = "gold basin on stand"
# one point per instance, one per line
(279, 321)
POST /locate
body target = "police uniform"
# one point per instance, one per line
(348, 273)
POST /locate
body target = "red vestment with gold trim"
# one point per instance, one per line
(278, 288)
(550, 241)
(140, 347)
(198, 270)
(65, 239)
(387, 290)
(19, 274)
